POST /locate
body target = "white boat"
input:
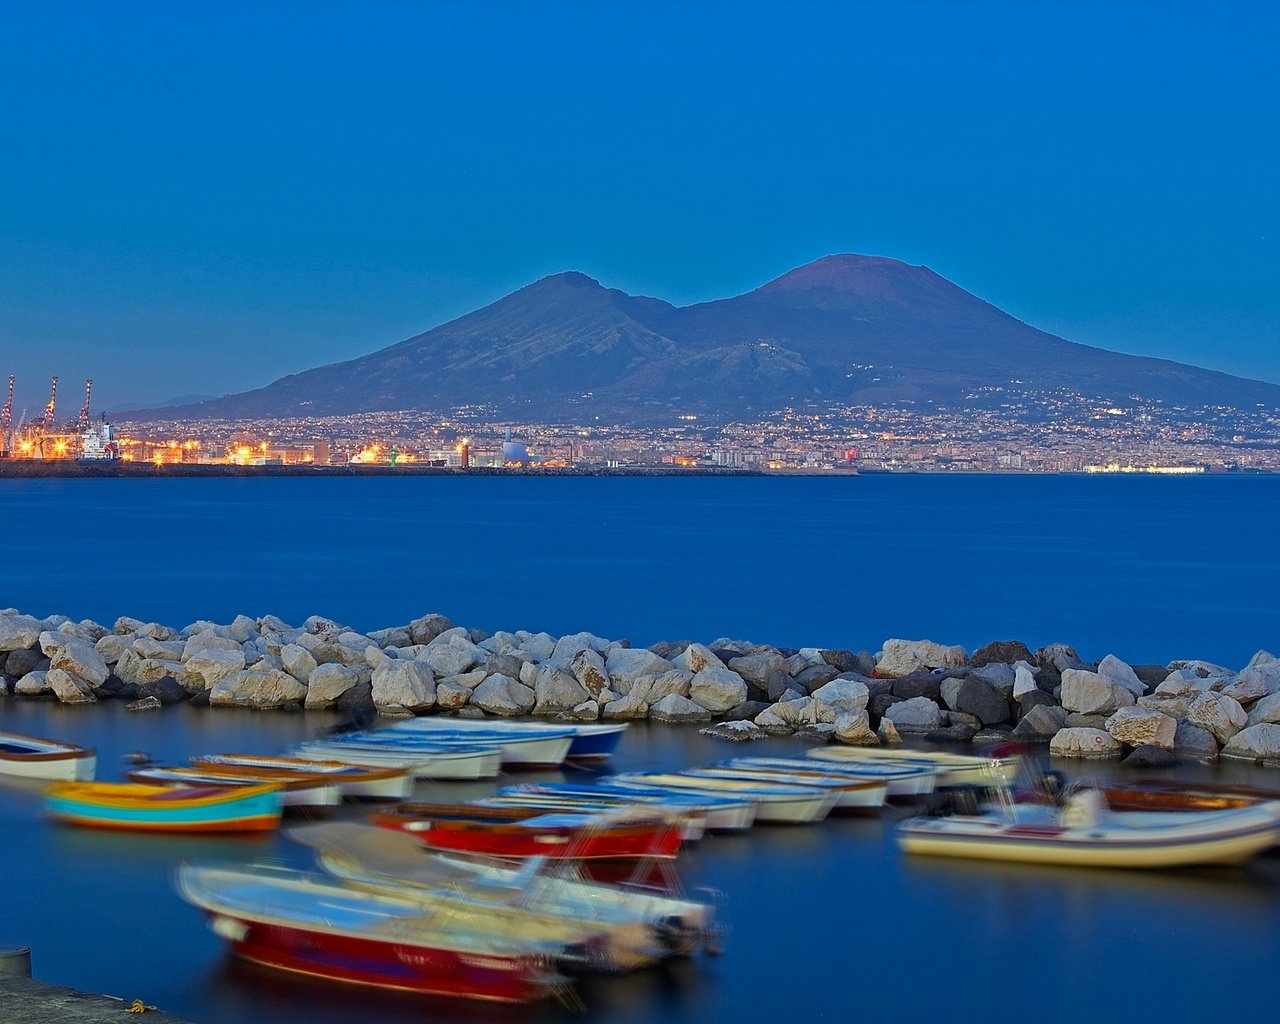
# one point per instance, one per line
(297, 794)
(1083, 834)
(534, 750)
(642, 925)
(952, 769)
(355, 782)
(442, 763)
(591, 741)
(855, 795)
(693, 826)
(30, 757)
(720, 813)
(905, 781)
(785, 805)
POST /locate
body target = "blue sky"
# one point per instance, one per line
(202, 197)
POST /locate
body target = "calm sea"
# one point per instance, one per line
(826, 922)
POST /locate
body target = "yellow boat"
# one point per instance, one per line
(123, 805)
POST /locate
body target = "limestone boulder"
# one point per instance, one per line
(249, 689)
(717, 688)
(625, 708)
(1266, 710)
(1202, 669)
(395, 636)
(69, 688)
(33, 684)
(76, 656)
(696, 657)
(17, 664)
(1024, 680)
(589, 669)
(1220, 714)
(451, 657)
(762, 669)
(112, 647)
(207, 640)
(916, 715)
(1256, 743)
(888, 733)
(149, 647)
(1085, 743)
(902, 657)
(1121, 674)
(502, 695)
(1253, 683)
(624, 665)
(539, 646)
(855, 728)
(326, 683)
(587, 711)
(674, 708)
(1193, 742)
(297, 661)
(736, 732)
(556, 689)
(1176, 707)
(425, 629)
(1138, 727)
(209, 665)
(409, 684)
(999, 675)
(567, 648)
(451, 696)
(847, 696)
(1088, 693)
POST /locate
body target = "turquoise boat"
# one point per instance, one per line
(146, 808)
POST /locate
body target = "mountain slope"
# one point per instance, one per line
(844, 328)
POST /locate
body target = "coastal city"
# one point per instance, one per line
(1010, 429)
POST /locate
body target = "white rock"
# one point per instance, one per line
(451, 696)
(539, 646)
(856, 729)
(298, 662)
(1088, 743)
(717, 688)
(76, 656)
(587, 711)
(1263, 658)
(1266, 710)
(736, 731)
(626, 664)
(902, 657)
(695, 658)
(1024, 680)
(1138, 726)
(452, 657)
(674, 708)
(207, 640)
(269, 689)
(624, 708)
(1253, 683)
(1002, 677)
(589, 669)
(1220, 714)
(1256, 743)
(112, 647)
(556, 689)
(919, 714)
(1088, 693)
(33, 684)
(150, 647)
(209, 665)
(502, 695)
(567, 648)
(887, 732)
(410, 684)
(847, 696)
(326, 683)
(653, 688)
(376, 657)
(69, 687)
(1120, 673)
(1203, 669)
(1192, 741)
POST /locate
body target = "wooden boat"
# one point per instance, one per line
(638, 927)
(952, 769)
(853, 795)
(520, 751)
(719, 813)
(1175, 795)
(144, 808)
(310, 925)
(530, 832)
(786, 805)
(591, 741)
(692, 826)
(904, 781)
(1093, 838)
(299, 794)
(30, 757)
(353, 781)
(463, 763)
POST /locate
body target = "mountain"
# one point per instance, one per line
(845, 328)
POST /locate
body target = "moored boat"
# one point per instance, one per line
(853, 795)
(309, 794)
(719, 812)
(424, 762)
(952, 769)
(591, 741)
(125, 805)
(354, 782)
(30, 757)
(316, 926)
(777, 804)
(517, 750)
(904, 781)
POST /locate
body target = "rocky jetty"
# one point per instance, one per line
(1104, 709)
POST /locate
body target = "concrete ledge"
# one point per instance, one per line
(24, 1001)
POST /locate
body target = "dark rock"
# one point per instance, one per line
(754, 693)
(879, 704)
(1004, 652)
(166, 690)
(1150, 756)
(779, 683)
(952, 734)
(1079, 721)
(1040, 723)
(130, 691)
(145, 704)
(874, 686)
(919, 684)
(503, 665)
(19, 663)
(979, 698)
(1152, 675)
(1035, 699)
(816, 676)
(292, 707)
(745, 711)
(200, 700)
(841, 661)
(478, 636)
(725, 654)
(991, 737)
(668, 649)
(822, 733)
(359, 697)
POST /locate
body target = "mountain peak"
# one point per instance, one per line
(848, 273)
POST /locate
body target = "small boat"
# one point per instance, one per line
(693, 825)
(311, 925)
(1176, 795)
(905, 781)
(628, 834)
(441, 762)
(1083, 834)
(952, 769)
(30, 757)
(354, 782)
(541, 750)
(720, 813)
(853, 795)
(299, 794)
(591, 741)
(784, 805)
(639, 927)
(145, 808)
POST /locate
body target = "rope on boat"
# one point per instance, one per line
(138, 1006)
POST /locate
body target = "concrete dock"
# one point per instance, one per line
(24, 1001)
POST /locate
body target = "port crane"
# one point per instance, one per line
(49, 419)
(84, 409)
(6, 420)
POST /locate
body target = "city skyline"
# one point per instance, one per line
(200, 200)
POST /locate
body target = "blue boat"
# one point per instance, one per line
(591, 741)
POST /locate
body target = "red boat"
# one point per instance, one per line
(316, 926)
(529, 832)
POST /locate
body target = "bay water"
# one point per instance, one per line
(826, 922)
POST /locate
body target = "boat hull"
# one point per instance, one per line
(173, 809)
(590, 742)
(586, 842)
(455, 764)
(30, 757)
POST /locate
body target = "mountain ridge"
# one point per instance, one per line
(845, 328)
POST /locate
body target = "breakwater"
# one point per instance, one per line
(740, 689)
